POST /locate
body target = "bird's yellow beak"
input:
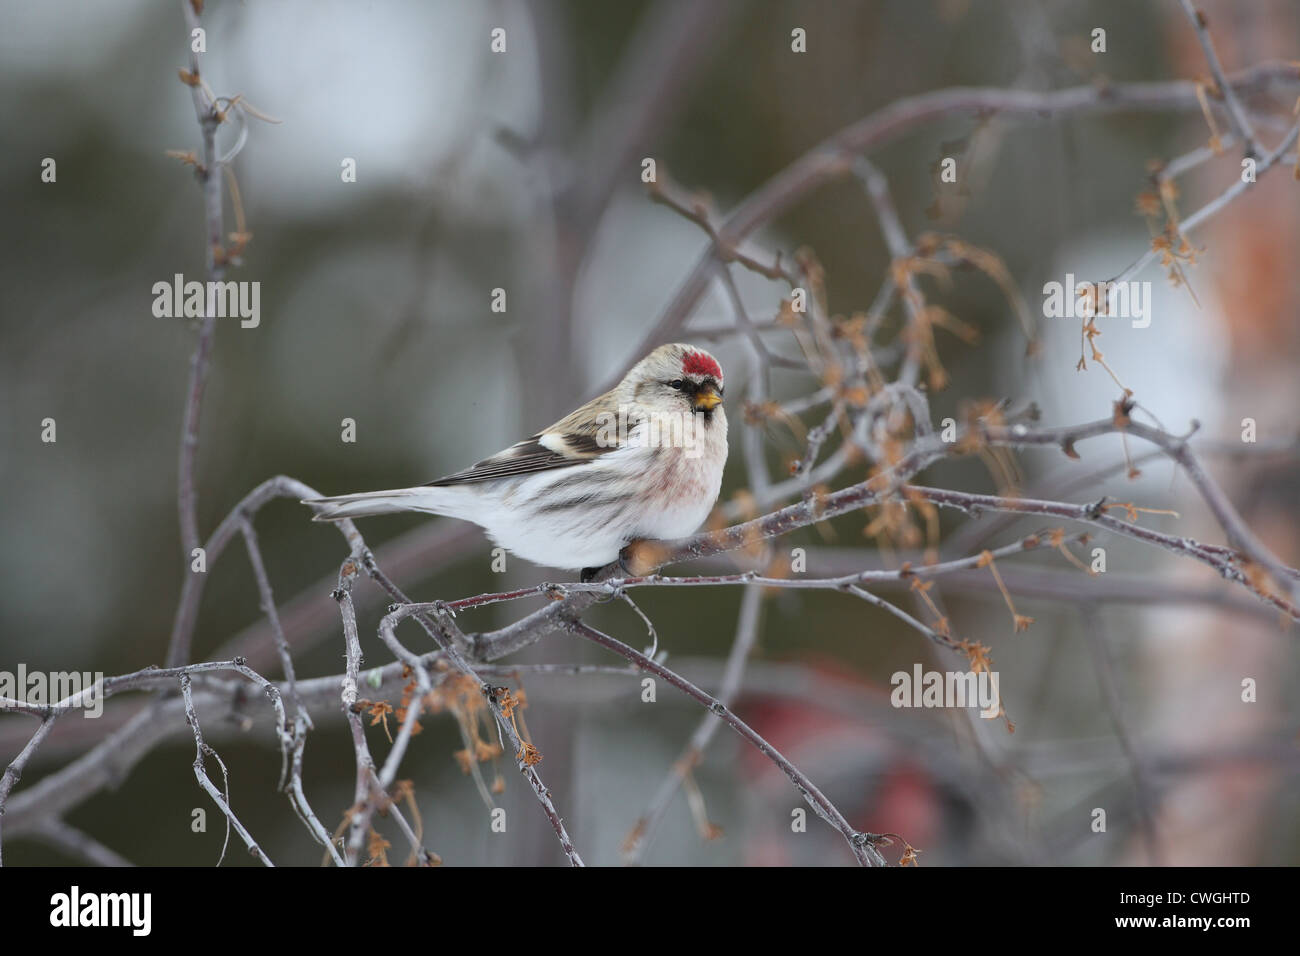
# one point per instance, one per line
(707, 399)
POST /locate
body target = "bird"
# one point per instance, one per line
(643, 461)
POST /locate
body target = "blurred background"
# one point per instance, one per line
(521, 171)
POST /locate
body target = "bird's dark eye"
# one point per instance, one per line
(677, 383)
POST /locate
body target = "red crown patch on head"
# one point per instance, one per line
(697, 363)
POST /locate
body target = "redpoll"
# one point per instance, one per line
(642, 461)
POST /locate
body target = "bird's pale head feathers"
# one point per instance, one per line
(676, 374)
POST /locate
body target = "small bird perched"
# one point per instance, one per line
(642, 461)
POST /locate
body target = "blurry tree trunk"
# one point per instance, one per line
(1219, 816)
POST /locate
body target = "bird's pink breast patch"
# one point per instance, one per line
(697, 363)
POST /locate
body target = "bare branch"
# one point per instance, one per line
(862, 845)
(1236, 113)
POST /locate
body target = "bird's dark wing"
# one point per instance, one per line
(580, 437)
(543, 452)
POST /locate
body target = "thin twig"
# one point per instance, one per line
(861, 845)
(1236, 112)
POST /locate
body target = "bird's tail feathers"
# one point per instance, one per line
(370, 503)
